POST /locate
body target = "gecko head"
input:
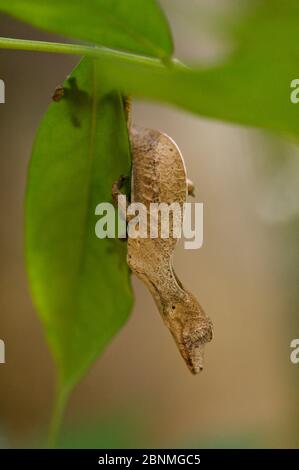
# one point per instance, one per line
(191, 329)
(195, 334)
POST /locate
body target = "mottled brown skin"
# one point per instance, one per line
(159, 175)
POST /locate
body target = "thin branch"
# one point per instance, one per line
(83, 50)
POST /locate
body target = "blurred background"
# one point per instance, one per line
(140, 393)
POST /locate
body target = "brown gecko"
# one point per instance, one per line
(159, 175)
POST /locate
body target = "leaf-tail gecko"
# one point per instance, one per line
(159, 176)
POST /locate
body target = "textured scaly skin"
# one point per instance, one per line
(159, 175)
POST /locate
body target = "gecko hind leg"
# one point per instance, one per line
(190, 188)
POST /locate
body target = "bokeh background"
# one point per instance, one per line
(139, 393)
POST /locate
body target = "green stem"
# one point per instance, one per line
(60, 401)
(82, 50)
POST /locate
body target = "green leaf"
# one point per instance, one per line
(251, 87)
(80, 284)
(133, 25)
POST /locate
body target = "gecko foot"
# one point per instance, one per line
(116, 188)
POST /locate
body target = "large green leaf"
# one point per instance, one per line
(251, 87)
(80, 284)
(132, 25)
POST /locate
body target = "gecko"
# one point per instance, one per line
(159, 175)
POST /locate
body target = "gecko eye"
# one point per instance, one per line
(173, 307)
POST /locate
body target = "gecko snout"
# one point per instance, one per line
(195, 334)
(191, 329)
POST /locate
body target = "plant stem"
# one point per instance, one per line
(83, 50)
(61, 398)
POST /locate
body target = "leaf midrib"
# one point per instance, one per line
(90, 157)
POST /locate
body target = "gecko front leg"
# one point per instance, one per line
(119, 199)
